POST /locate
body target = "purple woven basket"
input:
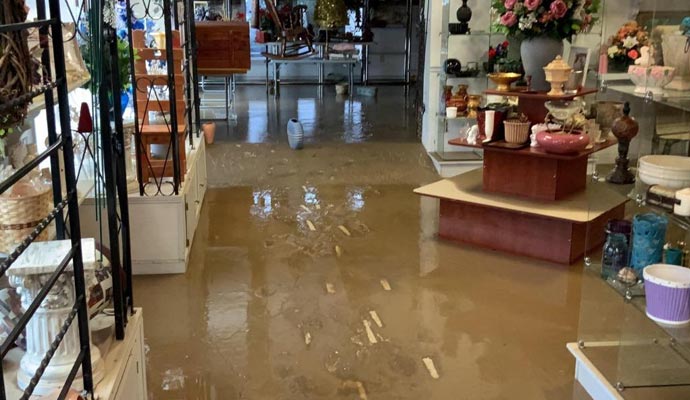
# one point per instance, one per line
(667, 288)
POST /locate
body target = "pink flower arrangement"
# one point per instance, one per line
(558, 9)
(509, 19)
(532, 4)
(560, 19)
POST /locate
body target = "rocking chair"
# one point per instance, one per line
(292, 31)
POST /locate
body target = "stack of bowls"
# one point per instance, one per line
(669, 171)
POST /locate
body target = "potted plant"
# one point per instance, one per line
(542, 25)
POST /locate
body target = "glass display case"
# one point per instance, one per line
(471, 49)
(633, 341)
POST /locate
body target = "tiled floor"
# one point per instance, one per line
(254, 316)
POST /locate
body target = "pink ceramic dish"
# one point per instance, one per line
(561, 143)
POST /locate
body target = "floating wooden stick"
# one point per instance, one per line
(311, 226)
(330, 288)
(375, 317)
(307, 338)
(429, 364)
(344, 230)
(386, 286)
(338, 250)
(370, 333)
(356, 385)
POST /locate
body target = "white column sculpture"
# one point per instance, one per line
(28, 274)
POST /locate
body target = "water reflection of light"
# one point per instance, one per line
(355, 199)
(258, 124)
(262, 205)
(311, 196)
(353, 122)
(306, 114)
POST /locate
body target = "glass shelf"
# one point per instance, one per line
(475, 33)
(672, 98)
(648, 354)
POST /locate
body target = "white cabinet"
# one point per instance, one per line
(125, 365)
(162, 227)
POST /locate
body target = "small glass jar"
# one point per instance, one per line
(615, 255)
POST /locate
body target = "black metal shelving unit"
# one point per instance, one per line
(112, 175)
(173, 19)
(51, 29)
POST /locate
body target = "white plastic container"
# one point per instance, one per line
(451, 112)
(667, 289)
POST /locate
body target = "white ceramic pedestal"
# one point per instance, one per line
(28, 274)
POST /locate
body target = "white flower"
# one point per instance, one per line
(527, 21)
(612, 51)
(630, 42)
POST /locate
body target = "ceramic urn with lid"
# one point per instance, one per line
(557, 74)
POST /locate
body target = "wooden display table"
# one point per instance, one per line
(533, 173)
(560, 232)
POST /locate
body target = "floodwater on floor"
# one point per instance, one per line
(318, 275)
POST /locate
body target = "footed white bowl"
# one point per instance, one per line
(650, 79)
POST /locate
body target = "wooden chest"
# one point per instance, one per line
(223, 47)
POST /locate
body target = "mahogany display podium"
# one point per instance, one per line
(526, 201)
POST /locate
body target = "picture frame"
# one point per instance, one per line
(200, 7)
(579, 59)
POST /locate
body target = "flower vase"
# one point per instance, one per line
(537, 53)
(124, 100)
(618, 65)
(209, 129)
(675, 55)
(464, 15)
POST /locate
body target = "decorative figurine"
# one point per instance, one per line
(464, 15)
(627, 275)
(624, 128)
(472, 135)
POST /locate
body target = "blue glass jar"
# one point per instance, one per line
(649, 234)
(615, 255)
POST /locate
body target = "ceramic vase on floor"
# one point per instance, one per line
(209, 129)
(295, 133)
(537, 53)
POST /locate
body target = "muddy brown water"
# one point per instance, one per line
(235, 325)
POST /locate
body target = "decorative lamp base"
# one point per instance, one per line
(621, 175)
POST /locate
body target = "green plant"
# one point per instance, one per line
(123, 61)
